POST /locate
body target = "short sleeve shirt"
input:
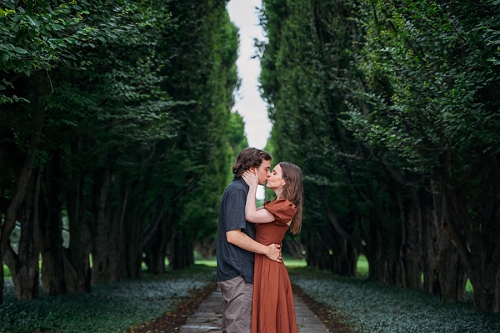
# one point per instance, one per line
(283, 210)
(232, 260)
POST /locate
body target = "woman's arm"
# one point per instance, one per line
(252, 214)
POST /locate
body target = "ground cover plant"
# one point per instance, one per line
(376, 308)
(113, 307)
(353, 303)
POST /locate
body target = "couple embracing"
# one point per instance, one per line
(250, 273)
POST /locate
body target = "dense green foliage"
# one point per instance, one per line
(115, 127)
(391, 108)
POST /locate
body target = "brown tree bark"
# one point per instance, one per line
(431, 232)
(181, 250)
(23, 266)
(348, 247)
(473, 226)
(206, 248)
(100, 252)
(156, 247)
(383, 257)
(319, 251)
(53, 277)
(411, 249)
(118, 239)
(20, 193)
(76, 258)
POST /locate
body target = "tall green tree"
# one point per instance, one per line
(390, 109)
(132, 140)
(441, 116)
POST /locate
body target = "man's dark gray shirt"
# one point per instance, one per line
(231, 259)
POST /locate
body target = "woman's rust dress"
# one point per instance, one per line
(273, 309)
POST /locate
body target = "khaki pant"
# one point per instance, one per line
(237, 315)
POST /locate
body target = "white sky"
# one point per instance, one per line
(248, 101)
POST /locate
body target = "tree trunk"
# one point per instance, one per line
(25, 270)
(77, 263)
(100, 253)
(51, 240)
(157, 248)
(430, 247)
(452, 276)
(206, 248)
(292, 247)
(181, 250)
(482, 262)
(472, 226)
(348, 246)
(2, 282)
(317, 250)
(19, 194)
(383, 254)
(411, 249)
(118, 239)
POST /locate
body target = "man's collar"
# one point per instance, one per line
(243, 182)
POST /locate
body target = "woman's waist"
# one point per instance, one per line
(268, 242)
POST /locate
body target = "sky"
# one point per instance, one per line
(249, 104)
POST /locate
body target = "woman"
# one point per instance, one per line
(273, 309)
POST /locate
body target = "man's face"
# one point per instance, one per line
(264, 172)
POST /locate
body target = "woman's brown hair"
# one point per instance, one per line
(293, 191)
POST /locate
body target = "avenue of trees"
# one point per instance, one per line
(115, 129)
(116, 137)
(391, 108)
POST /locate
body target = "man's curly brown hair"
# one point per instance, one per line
(249, 157)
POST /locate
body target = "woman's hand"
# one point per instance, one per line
(250, 178)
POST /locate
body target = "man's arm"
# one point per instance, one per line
(240, 239)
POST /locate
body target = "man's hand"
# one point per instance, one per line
(274, 252)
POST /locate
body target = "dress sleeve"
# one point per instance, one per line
(282, 209)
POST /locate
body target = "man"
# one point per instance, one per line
(236, 245)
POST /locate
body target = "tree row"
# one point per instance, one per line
(116, 137)
(392, 110)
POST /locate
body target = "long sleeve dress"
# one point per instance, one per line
(273, 309)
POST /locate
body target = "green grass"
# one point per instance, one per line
(292, 263)
(362, 266)
(6, 271)
(114, 307)
(289, 262)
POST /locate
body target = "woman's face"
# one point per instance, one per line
(276, 180)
